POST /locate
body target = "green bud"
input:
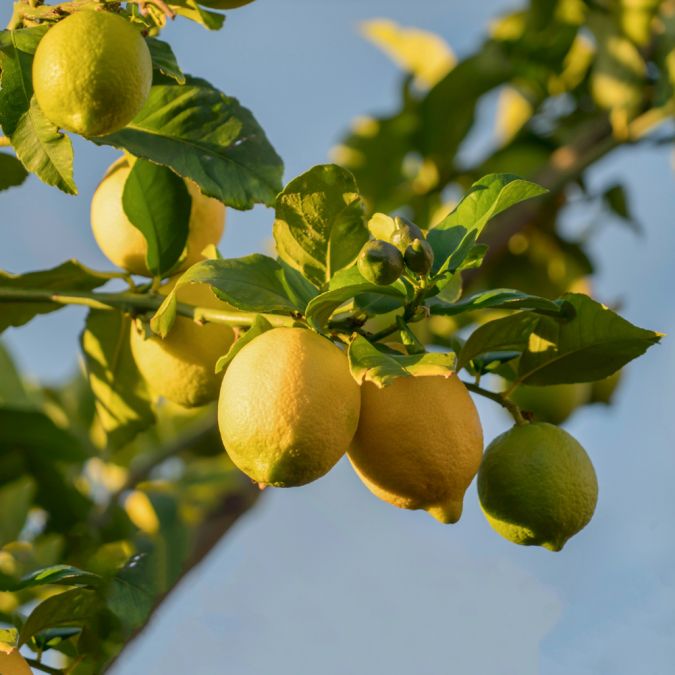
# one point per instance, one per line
(380, 263)
(406, 232)
(419, 257)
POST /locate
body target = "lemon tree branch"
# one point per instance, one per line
(498, 398)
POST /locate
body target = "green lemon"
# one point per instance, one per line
(537, 486)
(553, 403)
(92, 73)
(380, 263)
(405, 233)
(419, 256)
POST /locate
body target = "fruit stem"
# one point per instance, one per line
(498, 398)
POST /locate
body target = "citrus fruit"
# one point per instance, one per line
(11, 661)
(405, 233)
(288, 407)
(419, 256)
(181, 367)
(92, 73)
(553, 403)
(380, 263)
(603, 391)
(419, 443)
(125, 246)
(537, 485)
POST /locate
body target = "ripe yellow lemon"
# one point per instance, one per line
(92, 73)
(537, 486)
(553, 403)
(11, 661)
(419, 444)
(181, 367)
(288, 407)
(125, 246)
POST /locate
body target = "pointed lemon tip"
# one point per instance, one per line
(447, 513)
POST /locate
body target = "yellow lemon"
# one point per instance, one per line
(419, 444)
(125, 246)
(181, 367)
(11, 661)
(92, 73)
(537, 486)
(288, 407)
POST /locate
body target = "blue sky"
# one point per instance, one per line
(327, 580)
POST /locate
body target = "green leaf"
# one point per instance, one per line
(158, 203)
(60, 575)
(164, 60)
(319, 226)
(70, 276)
(299, 289)
(123, 402)
(260, 325)
(255, 283)
(12, 172)
(15, 501)
(593, 345)
(345, 285)
(191, 10)
(202, 134)
(131, 595)
(12, 388)
(499, 298)
(33, 430)
(367, 363)
(408, 338)
(71, 608)
(501, 335)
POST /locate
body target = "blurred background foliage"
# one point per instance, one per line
(565, 83)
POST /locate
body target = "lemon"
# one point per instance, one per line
(11, 661)
(92, 73)
(537, 486)
(553, 403)
(288, 407)
(419, 444)
(379, 262)
(125, 246)
(181, 367)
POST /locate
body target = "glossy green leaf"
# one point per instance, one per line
(69, 276)
(70, 608)
(59, 575)
(164, 60)
(132, 592)
(319, 227)
(190, 9)
(499, 298)
(345, 285)
(202, 134)
(158, 203)
(12, 172)
(123, 402)
(12, 387)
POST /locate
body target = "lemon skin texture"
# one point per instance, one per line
(419, 444)
(181, 367)
(537, 486)
(11, 661)
(125, 246)
(92, 73)
(288, 407)
(554, 403)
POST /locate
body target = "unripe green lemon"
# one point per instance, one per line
(603, 391)
(125, 246)
(537, 486)
(11, 661)
(380, 263)
(92, 73)
(419, 256)
(181, 367)
(224, 4)
(419, 444)
(405, 233)
(553, 403)
(288, 407)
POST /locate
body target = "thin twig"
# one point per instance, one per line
(498, 398)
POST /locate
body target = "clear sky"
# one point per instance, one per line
(327, 580)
